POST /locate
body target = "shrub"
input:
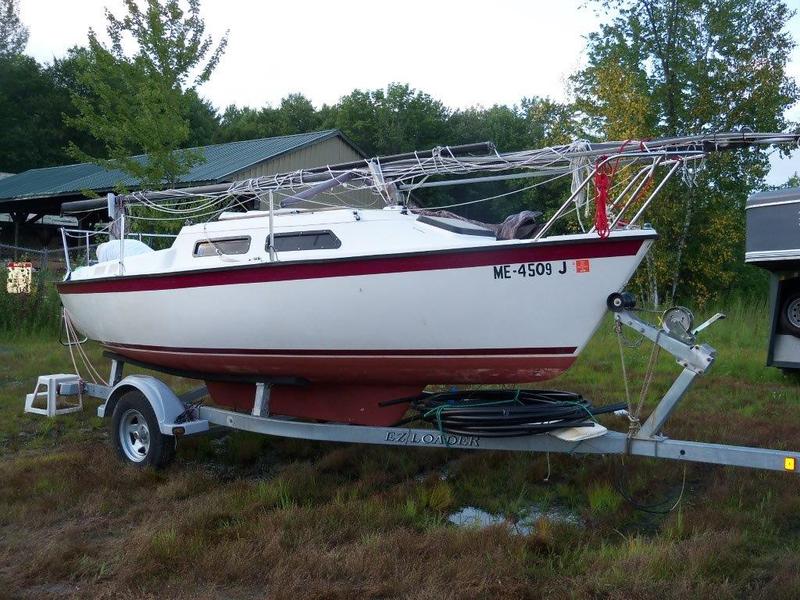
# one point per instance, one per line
(34, 313)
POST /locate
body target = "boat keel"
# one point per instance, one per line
(339, 403)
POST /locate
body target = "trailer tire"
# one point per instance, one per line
(790, 315)
(135, 433)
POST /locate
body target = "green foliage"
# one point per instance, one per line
(145, 102)
(401, 118)
(36, 313)
(603, 499)
(13, 34)
(274, 493)
(793, 181)
(295, 114)
(204, 122)
(440, 497)
(535, 122)
(389, 121)
(696, 64)
(33, 100)
(29, 124)
(672, 67)
(428, 505)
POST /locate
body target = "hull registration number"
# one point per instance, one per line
(542, 269)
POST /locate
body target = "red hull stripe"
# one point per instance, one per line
(369, 265)
(367, 370)
(546, 351)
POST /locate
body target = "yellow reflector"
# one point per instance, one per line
(789, 463)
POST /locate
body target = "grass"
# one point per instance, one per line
(250, 516)
(35, 313)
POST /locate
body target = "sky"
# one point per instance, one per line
(464, 53)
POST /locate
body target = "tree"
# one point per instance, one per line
(203, 120)
(239, 124)
(13, 34)
(33, 100)
(389, 121)
(793, 181)
(28, 131)
(144, 102)
(535, 122)
(296, 114)
(667, 67)
(506, 126)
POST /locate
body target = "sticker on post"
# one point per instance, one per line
(20, 277)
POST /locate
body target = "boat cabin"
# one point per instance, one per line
(297, 235)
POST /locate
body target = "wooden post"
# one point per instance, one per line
(18, 218)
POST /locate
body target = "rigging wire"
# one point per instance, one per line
(377, 175)
(554, 160)
(208, 204)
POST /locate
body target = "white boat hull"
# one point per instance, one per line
(512, 313)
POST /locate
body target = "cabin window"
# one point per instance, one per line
(305, 240)
(225, 246)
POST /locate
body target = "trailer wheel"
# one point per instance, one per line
(790, 315)
(137, 438)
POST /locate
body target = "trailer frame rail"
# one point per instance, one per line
(183, 415)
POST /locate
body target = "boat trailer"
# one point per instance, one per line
(136, 433)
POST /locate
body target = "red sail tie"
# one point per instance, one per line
(602, 182)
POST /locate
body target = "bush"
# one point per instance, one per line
(34, 313)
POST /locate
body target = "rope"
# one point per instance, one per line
(656, 507)
(73, 340)
(506, 413)
(633, 421)
(649, 374)
(82, 355)
(634, 414)
(602, 181)
(581, 169)
(71, 355)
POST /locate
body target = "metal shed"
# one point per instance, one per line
(27, 197)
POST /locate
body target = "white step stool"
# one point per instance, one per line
(49, 386)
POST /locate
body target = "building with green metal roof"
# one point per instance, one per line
(29, 196)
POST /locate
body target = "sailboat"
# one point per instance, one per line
(341, 309)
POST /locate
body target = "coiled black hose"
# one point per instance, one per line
(507, 413)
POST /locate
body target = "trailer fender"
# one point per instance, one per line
(165, 404)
